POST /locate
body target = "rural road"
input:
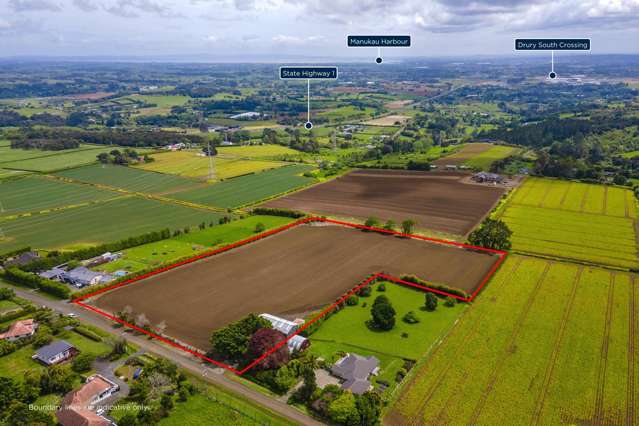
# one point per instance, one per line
(182, 359)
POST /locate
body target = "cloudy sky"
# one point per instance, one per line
(254, 28)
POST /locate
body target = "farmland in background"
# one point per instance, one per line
(574, 221)
(34, 194)
(98, 223)
(190, 164)
(546, 343)
(129, 178)
(249, 189)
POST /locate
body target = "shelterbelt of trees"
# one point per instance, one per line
(132, 138)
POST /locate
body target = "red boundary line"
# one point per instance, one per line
(369, 280)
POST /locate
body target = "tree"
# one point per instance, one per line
(407, 226)
(139, 390)
(352, 300)
(383, 313)
(264, 340)
(389, 225)
(160, 327)
(372, 222)
(342, 410)
(231, 342)
(57, 379)
(369, 406)
(166, 402)
(119, 347)
(128, 419)
(9, 390)
(19, 414)
(410, 318)
(142, 321)
(82, 363)
(365, 291)
(493, 234)
(450, 302)
(430, 302)
(305, 391)
(43, 336)
(259, 227)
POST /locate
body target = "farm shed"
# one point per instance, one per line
(285, 326)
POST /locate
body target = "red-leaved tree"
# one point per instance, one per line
(264, 340)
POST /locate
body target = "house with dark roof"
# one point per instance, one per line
(355, 371)
(20, 330)
(79, 407)
(22, 259)
(485, 177)
(82, 277)
(55, 353)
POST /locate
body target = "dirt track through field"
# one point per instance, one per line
(295, 271)
(435, 200)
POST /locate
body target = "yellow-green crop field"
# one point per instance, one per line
(255, 151)
(584, 222)
(547, 343)
(189, 164)
(484, 159)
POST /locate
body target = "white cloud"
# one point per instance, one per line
(34, 5)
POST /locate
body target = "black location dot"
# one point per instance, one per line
(378, 60)
(552, 75)
(308, 125)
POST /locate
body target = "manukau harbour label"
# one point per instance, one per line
(378, 41)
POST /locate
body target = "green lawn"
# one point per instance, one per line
(349, 325)
(34, 194)
(98, 223)
(17, 363)
(196, 241)
(8, 305)
(249, 189)
(531, 343)
(130, 178)
(201, 410)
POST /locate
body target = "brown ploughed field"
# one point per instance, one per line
(289, 273)
(435, 200)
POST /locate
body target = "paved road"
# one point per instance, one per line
(184, 360)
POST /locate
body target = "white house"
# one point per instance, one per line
(79, 406)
